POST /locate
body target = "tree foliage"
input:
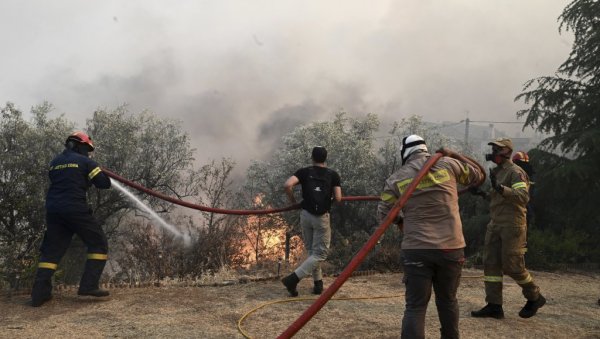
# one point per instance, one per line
(351, 152)
(215, 184)
(152, 151)
(26, 151)
(566, 106)
(390, 150)
(567, 103)
(363, 160)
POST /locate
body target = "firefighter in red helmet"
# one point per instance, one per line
(71, 173)
(521, 156)
(521, 159)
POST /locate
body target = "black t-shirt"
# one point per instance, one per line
(317, 188)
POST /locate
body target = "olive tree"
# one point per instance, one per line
(149, 150)
(27, 146)
(156, 153)
(351, 150)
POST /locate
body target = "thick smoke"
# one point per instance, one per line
(241, 74)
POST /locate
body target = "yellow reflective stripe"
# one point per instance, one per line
(48, 265)
(94, 172)
(526, 280)
(403, 184)
(492, 278)
(518, 185)
(63, 166)
(388, 197)
(431, 179)
(97, 256)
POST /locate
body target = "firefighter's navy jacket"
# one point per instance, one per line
(71, 174)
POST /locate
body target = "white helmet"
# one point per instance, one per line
(410, 145)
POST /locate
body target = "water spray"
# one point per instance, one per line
(187, 241)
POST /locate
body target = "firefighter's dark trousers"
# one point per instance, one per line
(59, 232)
(504, 253)
(422, 270)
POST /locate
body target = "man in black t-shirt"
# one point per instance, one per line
(319, 184)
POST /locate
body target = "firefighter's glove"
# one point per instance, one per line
(446, 152)
(499, 188)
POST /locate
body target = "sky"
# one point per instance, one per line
(239, 74)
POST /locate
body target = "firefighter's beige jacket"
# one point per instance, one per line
(509, 208)
(431, 217)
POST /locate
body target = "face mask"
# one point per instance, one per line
(495, 157)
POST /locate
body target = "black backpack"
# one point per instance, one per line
(317, 198)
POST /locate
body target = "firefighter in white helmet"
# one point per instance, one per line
(433, 243)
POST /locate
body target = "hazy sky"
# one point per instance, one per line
(238, 73)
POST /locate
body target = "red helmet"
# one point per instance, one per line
(521, 156)
(81, 137)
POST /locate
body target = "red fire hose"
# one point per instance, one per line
(219, 210)
(360, 256)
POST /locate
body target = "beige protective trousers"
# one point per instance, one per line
(505, 247)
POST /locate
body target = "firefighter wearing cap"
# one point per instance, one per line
(433, 242)
(71, 173)
(506, 234)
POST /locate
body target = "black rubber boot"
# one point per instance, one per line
(42, 287)
(290, 282)
(318, 289)
(489, 311)
(94, 293)
(531, 307)
(90, 279)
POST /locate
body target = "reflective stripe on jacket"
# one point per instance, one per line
(431, 217)
(71, 174)
(509, 208)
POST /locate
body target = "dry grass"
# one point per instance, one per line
(572, 311)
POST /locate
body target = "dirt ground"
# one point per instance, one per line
(572, 311)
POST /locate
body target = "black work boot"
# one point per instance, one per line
(90, 279)
(489, 311)
(94, 293)
(42, 287)
(290, 282)
(531, 307)
(318, 289)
